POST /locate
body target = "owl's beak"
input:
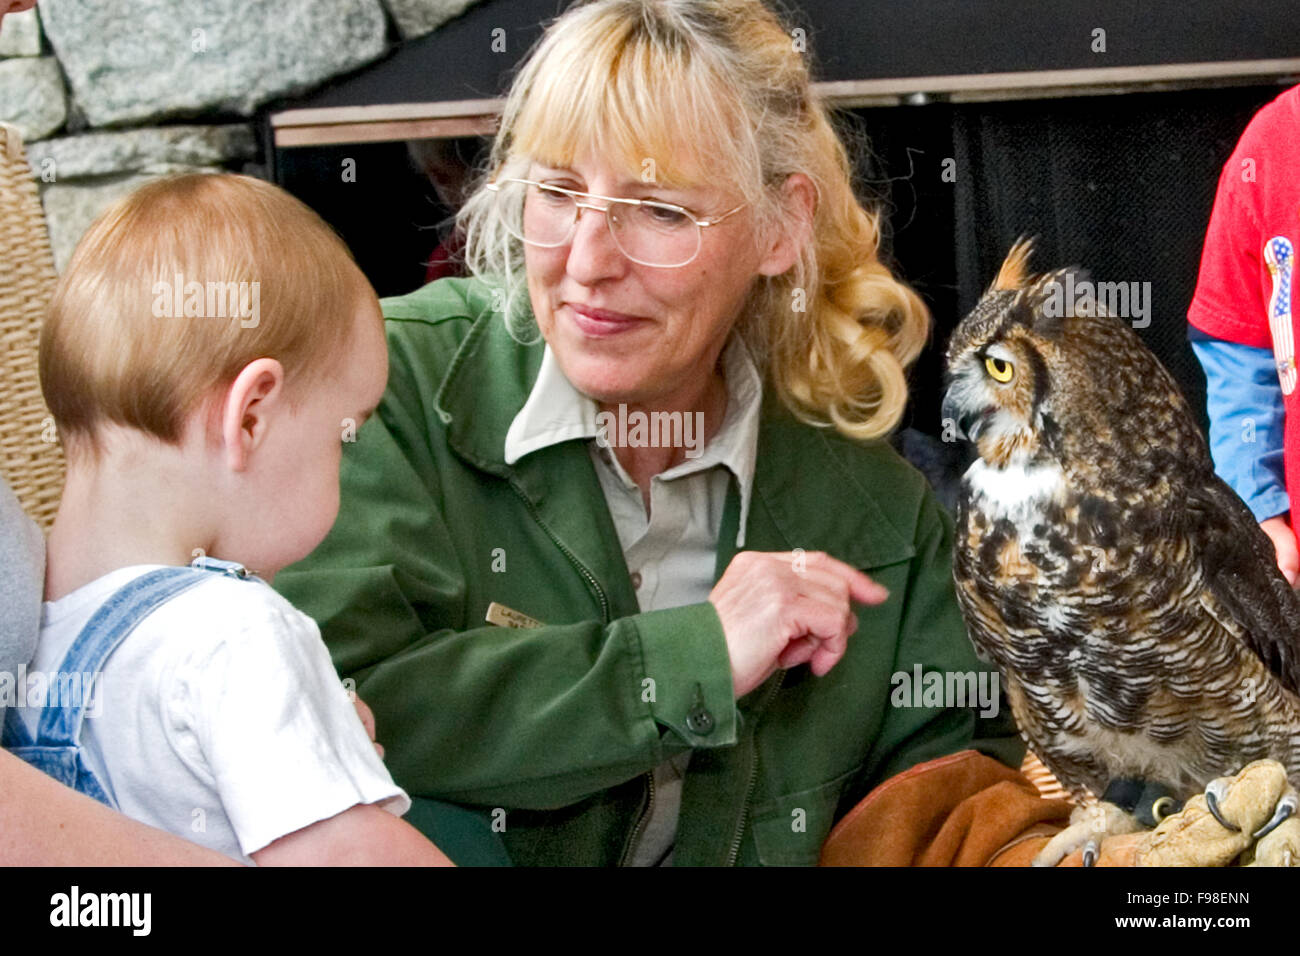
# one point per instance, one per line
(968, 423)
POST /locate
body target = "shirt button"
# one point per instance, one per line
(699, 721)
(636, 580)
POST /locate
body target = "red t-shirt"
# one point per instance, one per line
(1258, 203)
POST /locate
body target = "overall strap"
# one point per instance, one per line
(14, 733)
(115, 619)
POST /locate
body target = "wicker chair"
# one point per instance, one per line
(31, 460)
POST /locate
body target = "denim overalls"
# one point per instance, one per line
(57, 748)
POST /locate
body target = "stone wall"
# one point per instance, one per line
(107, 95)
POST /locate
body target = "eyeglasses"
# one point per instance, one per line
(647, 231)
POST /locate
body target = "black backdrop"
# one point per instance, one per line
(1121, 185)
(865, 39)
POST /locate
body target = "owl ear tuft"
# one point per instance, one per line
(1014, 273)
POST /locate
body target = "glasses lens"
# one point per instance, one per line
(655, 235)
(548, 216)
(534, 214)
(650, 233)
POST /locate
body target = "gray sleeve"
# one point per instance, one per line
(22, 584)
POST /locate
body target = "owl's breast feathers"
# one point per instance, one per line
(1144, 631)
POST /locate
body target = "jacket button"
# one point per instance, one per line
(636, 580)
(699, 721)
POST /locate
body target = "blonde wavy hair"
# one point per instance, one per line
(632, 79)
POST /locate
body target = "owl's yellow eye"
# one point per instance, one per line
(1000, 369)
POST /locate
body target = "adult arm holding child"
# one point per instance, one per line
(44, 823)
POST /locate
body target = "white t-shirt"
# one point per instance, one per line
(220, 718)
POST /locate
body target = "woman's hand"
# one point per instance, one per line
(782, 609)
(1288, 559)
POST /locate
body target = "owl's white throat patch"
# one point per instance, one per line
(1014, 490)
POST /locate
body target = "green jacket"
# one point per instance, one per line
(554, 730)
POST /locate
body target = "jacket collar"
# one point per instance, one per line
(556, 411)
(485, 387)
(805, 495)
(814, 501)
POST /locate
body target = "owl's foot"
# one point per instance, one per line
(1280, 847)
(1215, 793)
(1284, 810)
(1215, 828)
(1088, 827)
(1277, 842)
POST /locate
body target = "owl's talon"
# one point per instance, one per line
(1089, 826)
(1214, 792)
(1285, 807)
(1091, 852)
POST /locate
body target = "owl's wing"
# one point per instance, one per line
(1239, 565)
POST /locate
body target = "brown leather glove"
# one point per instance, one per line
(964, 809)
(969, 810)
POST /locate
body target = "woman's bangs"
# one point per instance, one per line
(633, 107)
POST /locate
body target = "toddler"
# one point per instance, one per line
(208, 349)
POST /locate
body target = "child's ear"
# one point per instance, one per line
(256, 391)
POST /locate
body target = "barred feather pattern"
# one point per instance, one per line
(1126, 594)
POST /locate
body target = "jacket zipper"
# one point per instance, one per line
(595, 587)
(753, 771)
(641, 822)
(590, 578)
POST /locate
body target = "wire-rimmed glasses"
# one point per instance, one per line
(647, 231)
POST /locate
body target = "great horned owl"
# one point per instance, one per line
(1126, 593)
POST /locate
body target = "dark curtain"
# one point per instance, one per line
(1121, 185)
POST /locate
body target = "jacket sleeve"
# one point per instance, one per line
(932, 636)
(533, 719)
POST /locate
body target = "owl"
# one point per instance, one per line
(1147, 641)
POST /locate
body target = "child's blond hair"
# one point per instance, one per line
(252, 272)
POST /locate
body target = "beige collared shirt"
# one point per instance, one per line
(672, 551)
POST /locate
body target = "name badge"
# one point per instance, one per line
(1279, 255)
(504, 616)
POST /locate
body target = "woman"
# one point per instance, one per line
(667, 244)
